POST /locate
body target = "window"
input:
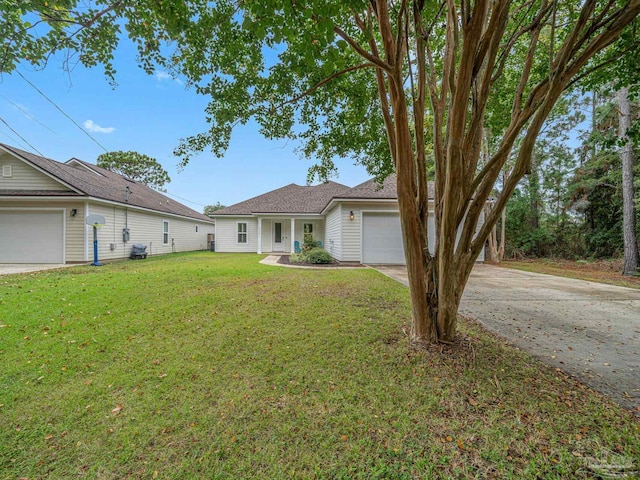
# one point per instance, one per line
(307, 229)
(165, 232)
(196, 228)
(7, 171)
(242, 232)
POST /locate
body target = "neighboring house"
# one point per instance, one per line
(44, 203)
(359, 224)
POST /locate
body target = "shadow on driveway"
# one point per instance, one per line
(589, 330)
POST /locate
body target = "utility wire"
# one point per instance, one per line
(184, 199)
(23, 110)
(62, 111)
(23, 139)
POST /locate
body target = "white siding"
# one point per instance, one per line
(333, 233)
(25, 177)
(144, 228)
(227, 234)
(268, 234)
(478, 227)
(318, 230)
(351, 229)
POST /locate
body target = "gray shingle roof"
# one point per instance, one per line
(104, 185)
(372, 190)
(290, 199)
(296, 199)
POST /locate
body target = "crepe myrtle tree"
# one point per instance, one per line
(394, 84)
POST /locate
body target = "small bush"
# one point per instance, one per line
(297, 258)
(318, 255)
(310, 245)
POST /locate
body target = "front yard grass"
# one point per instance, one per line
(215, 366)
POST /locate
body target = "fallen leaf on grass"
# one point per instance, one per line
(472, 401)
(117, 410)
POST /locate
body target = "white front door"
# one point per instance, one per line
(278, 243)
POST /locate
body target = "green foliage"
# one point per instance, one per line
(136, 166)
(315, 255)
(210, 209)
(309, 244)
(297, 258)
(596, 187)
(318, 255)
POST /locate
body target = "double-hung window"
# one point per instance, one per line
(165, 232)
(307, 229)
(242, 232)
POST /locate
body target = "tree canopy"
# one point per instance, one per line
(210, 209)
(394, 84)
(136, 166)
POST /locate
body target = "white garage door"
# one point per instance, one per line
(382, 239)
(31, 236)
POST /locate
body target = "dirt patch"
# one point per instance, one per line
(286, 260)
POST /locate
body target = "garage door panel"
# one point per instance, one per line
(382, 238)
(31, 237)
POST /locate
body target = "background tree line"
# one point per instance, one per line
(570, 205)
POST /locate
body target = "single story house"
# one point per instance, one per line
(44, 204)
(359, 224)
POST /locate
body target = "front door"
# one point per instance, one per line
(278, 244)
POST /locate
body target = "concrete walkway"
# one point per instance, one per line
(589, 330)
(11, 268)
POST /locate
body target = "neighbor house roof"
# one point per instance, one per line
(102, 184)
(293, 199)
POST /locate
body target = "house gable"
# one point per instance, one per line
(16, 175)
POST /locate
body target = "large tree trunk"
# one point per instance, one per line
(628, 198)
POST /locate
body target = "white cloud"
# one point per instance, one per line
(95, 128)
(162, 76)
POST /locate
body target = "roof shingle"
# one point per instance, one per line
(289, 199)
(105, 185)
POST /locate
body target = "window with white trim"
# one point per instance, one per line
(7, 171)
(307, 229)
(165, 232)
(242, 232)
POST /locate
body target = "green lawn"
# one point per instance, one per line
(215, 366)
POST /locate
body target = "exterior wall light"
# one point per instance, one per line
(351, 216)
(74, 212)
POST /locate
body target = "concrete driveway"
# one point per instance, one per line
(589, 330)
(10, 268)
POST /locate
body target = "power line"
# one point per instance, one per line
(62, 111)
(23, 139)
(23, 110)
(184, 199)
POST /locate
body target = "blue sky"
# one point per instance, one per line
(148, 114)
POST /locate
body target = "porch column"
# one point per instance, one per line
(293, 235)
(259, 234)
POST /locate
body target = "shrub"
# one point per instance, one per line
(297, 258)
(310, 245)
(318, 255)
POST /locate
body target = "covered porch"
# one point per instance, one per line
(279, 234)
